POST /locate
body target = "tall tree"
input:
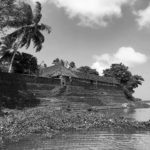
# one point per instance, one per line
(128, 81)
(26, 27)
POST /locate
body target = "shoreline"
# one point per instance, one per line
(47, 122)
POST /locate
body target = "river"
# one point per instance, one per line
(93, 139)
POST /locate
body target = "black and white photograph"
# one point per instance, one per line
(74, 74)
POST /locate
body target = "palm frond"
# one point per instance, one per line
(37, 13)
(40, 36)
(37, 41)
(28, 41)
(9, 41)
(26, 37)
(44, 27)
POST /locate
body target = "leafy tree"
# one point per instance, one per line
(9, 13)
(119, 71)
(134, 82)
(61, 62)
(72, 65)
(25, 24)
(87, 69)
(128, 81)
(56, 61)
(5, 60)
(23, 63)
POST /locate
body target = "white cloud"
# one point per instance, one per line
(126, 55)
(41, 1)
(91, 12)
(143, 17)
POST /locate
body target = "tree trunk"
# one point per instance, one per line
(12, 60)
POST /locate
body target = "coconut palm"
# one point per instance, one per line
(27, 29)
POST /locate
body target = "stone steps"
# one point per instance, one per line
(33, 86)
(41, 93)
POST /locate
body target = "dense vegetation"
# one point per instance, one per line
(19, 26)
(127, 80)
(18, 18)
(23, 63)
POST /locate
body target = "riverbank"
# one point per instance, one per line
(48, 121)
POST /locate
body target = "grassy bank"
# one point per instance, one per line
(48, 122)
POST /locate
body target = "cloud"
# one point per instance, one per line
(41, 1)
(125, 55)
(143, 19)
(91, 12)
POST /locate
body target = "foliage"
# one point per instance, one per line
(58, 61)
(64, 63)
(128, 81)
(72, 65)
(87, 69)
(25, 25)
(27, 28)
(14, 14)
(23, 63)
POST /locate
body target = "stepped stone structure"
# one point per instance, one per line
(82, 87)
(72, 85)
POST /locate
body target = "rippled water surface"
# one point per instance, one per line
(88, 140)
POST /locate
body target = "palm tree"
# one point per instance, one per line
(27, 29)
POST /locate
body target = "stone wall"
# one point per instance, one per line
(49, 87)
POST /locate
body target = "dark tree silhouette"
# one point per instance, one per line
(72, 65)
(128, 81)
(23, 63)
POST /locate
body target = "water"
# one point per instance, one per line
(93, 139)
(88, 140)
(138, 114)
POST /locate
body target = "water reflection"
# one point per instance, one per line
(140, 114)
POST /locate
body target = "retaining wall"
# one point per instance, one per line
(48, 87)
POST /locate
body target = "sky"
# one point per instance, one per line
(98, 33)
